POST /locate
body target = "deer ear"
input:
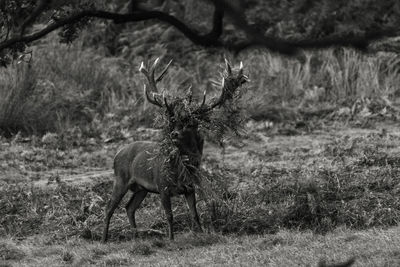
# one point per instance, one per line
(228, 67)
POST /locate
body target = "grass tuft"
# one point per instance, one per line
(141, 248)
(116, 261)
(67, 257)
(10, 252)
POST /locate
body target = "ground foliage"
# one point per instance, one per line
(351, 180)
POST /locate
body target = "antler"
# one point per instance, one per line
(150, 75)
(153, 100)
(229, 85)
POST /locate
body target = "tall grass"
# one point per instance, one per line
(75, 85)
(22, 105)
(63, 86)
(332, 75)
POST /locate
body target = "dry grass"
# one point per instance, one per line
(286, 248)
(282, 196)
(292, 200)
(21, 104)
(74, 85)
(337, 178)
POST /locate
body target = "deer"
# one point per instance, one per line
(141, 168)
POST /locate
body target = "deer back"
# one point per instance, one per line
(138, 163)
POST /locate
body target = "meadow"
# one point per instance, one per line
(314, 175)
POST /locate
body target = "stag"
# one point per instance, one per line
(141, 168)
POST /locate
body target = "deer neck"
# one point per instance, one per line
(192, 149)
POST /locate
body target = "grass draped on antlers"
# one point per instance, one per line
(215, 124)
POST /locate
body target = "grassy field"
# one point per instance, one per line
(285, 196)
(315, 175)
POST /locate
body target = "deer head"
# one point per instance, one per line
(182, 114)
(181, 129)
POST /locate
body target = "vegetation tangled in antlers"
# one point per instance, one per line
(184, 111)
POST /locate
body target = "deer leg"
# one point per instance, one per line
(119, 191)
(191, 201)
(166, 202)
(133, 205)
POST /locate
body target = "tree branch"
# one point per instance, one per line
(209, 39)
(254, 37)
(218, 22)
(132, 6)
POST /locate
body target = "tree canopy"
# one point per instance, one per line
(279, 26)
